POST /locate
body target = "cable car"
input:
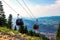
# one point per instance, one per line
(19, 21)
(36, 26)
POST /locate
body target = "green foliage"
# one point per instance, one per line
(3, 20)
(30, 33)
(58, 33)
(0, 21)
(10, 21)
(2, 17)
(25, 30)
(15, 28)
(9, 31)
(5, 29)
(21, 29)
(45, 38)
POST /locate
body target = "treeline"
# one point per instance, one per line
(24, 30)
(6, 22)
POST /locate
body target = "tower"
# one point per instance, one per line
(1, 9)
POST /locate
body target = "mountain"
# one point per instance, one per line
(46, 24)
(52, 18)
(49, 24)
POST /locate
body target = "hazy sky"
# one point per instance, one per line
(39, 8)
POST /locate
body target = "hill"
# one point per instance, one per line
(49, 24)
(8, 34)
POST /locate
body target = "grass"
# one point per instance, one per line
(4, 29)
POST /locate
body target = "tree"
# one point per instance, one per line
(3, 20)
(58, 33)
(10, 21)
(25, 29)
(30, 33)
(21, 29)
(15, 28)
(2, 16)
(0, 21)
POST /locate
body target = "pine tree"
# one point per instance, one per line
(3, 20)
(21, 29)
(0, 21)
(15, 28)
(10, 21)
(2, 16)
(58, 33)
(25, 30)
(30, 33)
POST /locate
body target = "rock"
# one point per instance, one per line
(6, 36)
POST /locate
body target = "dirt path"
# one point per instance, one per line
(6, 36)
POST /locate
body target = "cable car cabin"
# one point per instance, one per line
(36, 27)
(19, 22)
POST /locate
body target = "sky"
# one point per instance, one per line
(39, 8)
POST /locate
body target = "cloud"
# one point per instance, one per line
(37, 10)
(48, 10)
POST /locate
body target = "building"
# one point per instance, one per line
(51, 36)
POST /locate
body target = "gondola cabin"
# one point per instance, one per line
(36, 27)
(19, 22)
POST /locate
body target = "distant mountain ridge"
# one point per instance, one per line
(56, 18)
(46, 24)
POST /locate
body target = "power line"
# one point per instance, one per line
(23, 7)
(28, 8)
(11, 7)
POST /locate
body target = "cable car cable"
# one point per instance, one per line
(10, 7)
(23, 7)
(28, 8)
(36, 26)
